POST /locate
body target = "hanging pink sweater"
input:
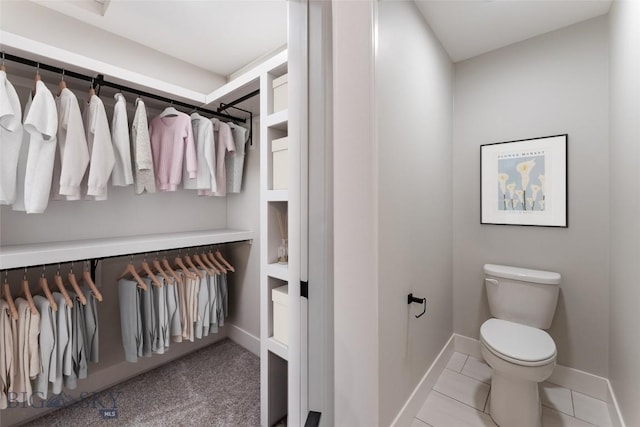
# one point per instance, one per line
(171, 141)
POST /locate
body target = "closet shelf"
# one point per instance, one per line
(278, 271)
(15, 256)
(278, 120)
(277, 195)
(277, 348)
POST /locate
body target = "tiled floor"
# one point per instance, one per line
(460, 398)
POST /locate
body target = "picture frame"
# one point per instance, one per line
(525, 182)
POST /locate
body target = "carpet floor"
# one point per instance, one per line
(215, 386)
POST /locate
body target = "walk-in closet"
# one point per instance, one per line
(109, 247)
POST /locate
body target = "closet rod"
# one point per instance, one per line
(225, 105)
(100, 81)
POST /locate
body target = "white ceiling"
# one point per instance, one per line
(221, 36)
(467, 28)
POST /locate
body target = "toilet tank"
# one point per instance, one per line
(521, 295)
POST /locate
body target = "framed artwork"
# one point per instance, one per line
(524, 182)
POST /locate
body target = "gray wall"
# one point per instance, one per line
(414, 99)
(552, 84)
(625, 207)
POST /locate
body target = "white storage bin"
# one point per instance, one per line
(280, 93)
(280, 298)
(280, 153)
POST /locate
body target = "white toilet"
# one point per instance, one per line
(513, 343)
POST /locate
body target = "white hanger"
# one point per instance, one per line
(170, 111)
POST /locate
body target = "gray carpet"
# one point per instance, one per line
(216, 386)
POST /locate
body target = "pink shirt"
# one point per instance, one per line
(171, 141)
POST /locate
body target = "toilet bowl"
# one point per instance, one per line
(520, 357)
(513, 343)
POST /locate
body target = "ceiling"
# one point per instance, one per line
(221, 36)
(467, 28)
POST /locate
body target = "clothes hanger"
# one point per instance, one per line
(7, 296)
(26, 291)
(167, 268)
(92, 90)
(224, 261)
(62, 85)
(130, 270)
(44, 285)
(208, 263)
(191, 265)
(76, 288)
(170, 111)
(60, 285)
(86, 276)
(147, 270)
(37, 78)
(215, 262)
(202, 265)
(158, 267)
(180, 263)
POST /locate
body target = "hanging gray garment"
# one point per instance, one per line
(235, 163)
(130, 319)
(91, 340)
(48, 348)
(76, 341)
(145, 178)
(149, 325)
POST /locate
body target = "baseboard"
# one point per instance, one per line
(244, 339)
(468, 346)
(414, 403)
(614, 409)
(583, 382)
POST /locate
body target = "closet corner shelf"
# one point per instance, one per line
(277, 348)
(278, 271)
(15, 256)
(278, 120)
(277, 195)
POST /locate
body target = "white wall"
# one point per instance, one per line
(552, 84)
(243, 213)
(39, 23)
(624, 83)
(414, 100)
(355, 220)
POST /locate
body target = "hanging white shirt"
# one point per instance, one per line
(102, 155)
(41, 123)
(206, 156)
(122, 175)
(18, 205)
(72, 146)
(10, 139)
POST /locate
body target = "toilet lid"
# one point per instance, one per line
(516, 341)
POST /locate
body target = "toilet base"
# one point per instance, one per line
(515, 402)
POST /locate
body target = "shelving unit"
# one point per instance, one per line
(278, 360)
(14, 256)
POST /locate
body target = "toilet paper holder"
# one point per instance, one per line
(423, 301)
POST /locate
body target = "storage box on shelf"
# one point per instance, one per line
(280, 298)
(280, 170)
(280, 93)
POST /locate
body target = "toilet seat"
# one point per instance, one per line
(518, 344)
